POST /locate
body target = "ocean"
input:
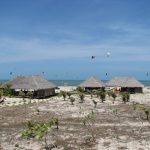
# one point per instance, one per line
(77, 82)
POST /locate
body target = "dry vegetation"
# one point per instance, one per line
(82, 126)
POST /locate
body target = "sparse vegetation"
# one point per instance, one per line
(79, 127)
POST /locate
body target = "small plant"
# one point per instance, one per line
(38, 130)
(81, 96)
(109, 93)
(102, 96)
(56, 122)
(7, 90)
(72, 100)
(95, 103)
(97, 92)
(114, 96)
(63, 94)
(38, 111)
(144, 108)
(89, 122)
(30, 94)
(68, 94)
(16, 145)
(80, 89)
(22, 94)
(125, 97)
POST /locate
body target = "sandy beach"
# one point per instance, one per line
(116, 126)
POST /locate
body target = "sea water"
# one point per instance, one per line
(77, 82)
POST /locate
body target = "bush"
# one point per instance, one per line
(80, 89)
(7, 90)
(125, 96)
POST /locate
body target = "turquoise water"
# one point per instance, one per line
(77, 82)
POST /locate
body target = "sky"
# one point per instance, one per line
(58, 37)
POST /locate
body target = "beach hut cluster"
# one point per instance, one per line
(41, 88)
(122, 84)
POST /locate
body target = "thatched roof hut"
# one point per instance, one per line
(40, 86)
(129, 84)
(92, 83)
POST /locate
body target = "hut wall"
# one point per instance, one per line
(45, 93)
(139, 90)
(94, 88)
(132, 90)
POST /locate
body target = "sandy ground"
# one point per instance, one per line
(115, 126)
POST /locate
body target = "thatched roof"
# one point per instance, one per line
(92, 82)
(30, 83)
(124, 82)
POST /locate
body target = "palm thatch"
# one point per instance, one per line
(124, 82)
(34, 82)
(92, 82)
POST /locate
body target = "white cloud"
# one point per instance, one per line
(123, 47)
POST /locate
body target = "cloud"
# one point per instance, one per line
(130, 43)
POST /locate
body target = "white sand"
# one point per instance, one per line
(77, 110)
